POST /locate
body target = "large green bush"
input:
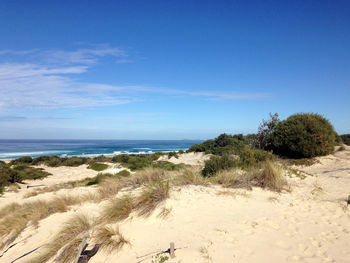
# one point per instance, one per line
(304, 135)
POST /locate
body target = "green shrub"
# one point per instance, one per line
(18, 173)
(223, 144)
(123, 173)
(168, 166)
(98, 178)
(74, 161)
(345, 138)
(22, 160)
(55, 161)
(173, 154)
(136, 161)
(98, 166)
(218, 163)
(304, 135)
(265, 131)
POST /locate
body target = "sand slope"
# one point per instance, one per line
(211, 224)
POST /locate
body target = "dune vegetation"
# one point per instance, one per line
(236, 161)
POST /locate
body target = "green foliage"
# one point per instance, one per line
(173, 154)
(265, 130)
(304, 135)
(22, 160)
(223, 144)
(218, 163)
(123, 173)
(98, 166)
(98, 178)
(168, 166)
(55, 161)
(18, 173)
(136, 162)
(345, 138)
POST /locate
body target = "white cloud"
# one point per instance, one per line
(48, 82)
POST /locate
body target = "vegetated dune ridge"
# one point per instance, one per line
(311, 223)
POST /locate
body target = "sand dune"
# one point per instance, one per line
(311, 223)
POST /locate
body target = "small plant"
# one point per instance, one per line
(160, 258)
(110, 238)
(218, 163)
(272, 177)
(66, 241)
(118, 209)
(173, 154)
(123, 173)
(151, 196)
(98, 166)
(341, 148)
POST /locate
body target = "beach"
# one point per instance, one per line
(308, 223)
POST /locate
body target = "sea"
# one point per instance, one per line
(12, 149)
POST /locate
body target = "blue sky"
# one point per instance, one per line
(169, 69)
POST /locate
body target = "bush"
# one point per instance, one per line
(22, 160)
(217, 163)
(136, 162)
(18, 173)
(98, 166)
(345, 138)
(266, 128)
(173, 154)
(304, 135)
(123, 173)
(223, 144)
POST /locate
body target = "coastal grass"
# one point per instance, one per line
(272, 177)
(15, 217)
(110, 238)
(66, 241)
(118, 209)
(151, 196)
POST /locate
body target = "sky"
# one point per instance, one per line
(169, 69)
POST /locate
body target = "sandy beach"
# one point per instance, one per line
(309, 223)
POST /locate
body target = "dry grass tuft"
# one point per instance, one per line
(146, 176)
(234, 178)
(66, 242)
(108, 187)
(189, 176)
(151, 196)
(272, 177)
(118, 209)
(110, 238)
(16, 217)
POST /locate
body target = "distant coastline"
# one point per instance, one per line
(12, 149)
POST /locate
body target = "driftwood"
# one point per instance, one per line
(38, 185)
(85, 255)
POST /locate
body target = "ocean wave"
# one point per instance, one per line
(21, 154)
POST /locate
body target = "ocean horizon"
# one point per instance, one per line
(15, 148)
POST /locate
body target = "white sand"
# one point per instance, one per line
(191, 158)
(309, 224)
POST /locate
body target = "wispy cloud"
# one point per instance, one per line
(48, 79)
